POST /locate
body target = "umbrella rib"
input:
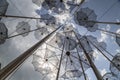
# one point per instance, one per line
(53, 65)
(53, 46)
(72, 63)
(54, 56)
(44, 76)
(23, 33)
(20, 26)
(81, 60)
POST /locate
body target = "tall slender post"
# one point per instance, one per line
(81, 65)
(100, 22)
(60, 62)
(95, 70)
(11, 16)
(104, 54)
(15, 64)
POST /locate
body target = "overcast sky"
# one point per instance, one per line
(16, 46)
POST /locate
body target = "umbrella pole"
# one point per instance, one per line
(60, 62)
(104, 55)
(95, 70)
(100, 22)
(81, 65)
(24, 17)
(15, 64)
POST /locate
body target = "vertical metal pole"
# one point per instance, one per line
(81, 65)
(11, 16)
(104, 55)
(12, 66)
(60, 61)
(98, 75)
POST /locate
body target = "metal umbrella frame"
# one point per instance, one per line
(45, 61)
(41, 33)
(23, 27)
(88, 22)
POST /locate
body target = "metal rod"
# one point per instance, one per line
(60, 61)
(23, 33)
(12, 66)
(95, 70)
(81, 60)
(105, 51)
(81, 65)
(100, 22)
(108, 31)
(11, 16)
(103, 54)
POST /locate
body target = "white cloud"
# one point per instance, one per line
(117, 50)
(103, 72)
(96, 54)
(118, 31)
(104, 35)
(117, 20)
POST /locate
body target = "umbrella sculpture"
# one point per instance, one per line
(83, 16)
(45, 61)
(25, 28)
(62, 53)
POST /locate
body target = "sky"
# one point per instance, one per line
(12, 48)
